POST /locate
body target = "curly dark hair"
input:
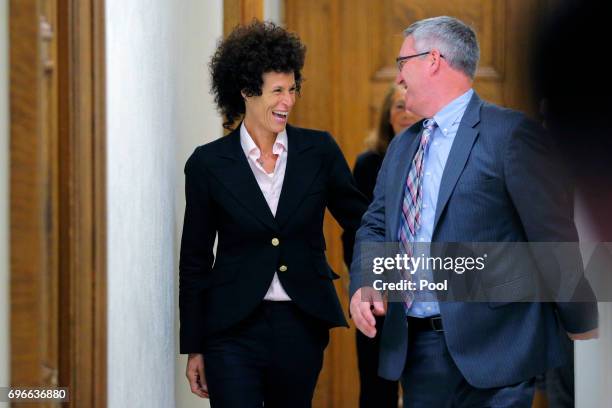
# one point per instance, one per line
(242, 58)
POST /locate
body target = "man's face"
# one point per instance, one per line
(412, 76)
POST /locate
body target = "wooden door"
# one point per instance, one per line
(58, 309)
(34, 260)
(350, 62)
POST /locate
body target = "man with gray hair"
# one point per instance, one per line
(470, 172)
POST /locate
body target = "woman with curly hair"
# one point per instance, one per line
(255, 318)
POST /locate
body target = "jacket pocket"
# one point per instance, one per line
(520, 289)
(223, 273)
(324, 270)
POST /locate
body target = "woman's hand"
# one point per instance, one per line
(195, 375)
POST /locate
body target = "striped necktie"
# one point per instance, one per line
(410, 219)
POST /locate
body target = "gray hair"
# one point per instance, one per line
(455, 40)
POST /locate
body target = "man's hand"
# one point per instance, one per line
(591, 334)
(195, 375)
(366, 303)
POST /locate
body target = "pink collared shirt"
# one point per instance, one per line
(270, 185)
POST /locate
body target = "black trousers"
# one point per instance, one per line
(374, 391)
(273, 357)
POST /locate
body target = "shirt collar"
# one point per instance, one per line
(250, 148)
(451, 114)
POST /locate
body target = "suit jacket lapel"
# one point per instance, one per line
(459, 153)
(233, 171)
(302, 168)
(407, 147)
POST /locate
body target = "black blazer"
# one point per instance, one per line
(224, 198)
(365, 173)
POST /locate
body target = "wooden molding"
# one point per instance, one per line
(82, 201)
(99, 205)
(58, 244)
(31, 347)
(237, 12)
(240, 12)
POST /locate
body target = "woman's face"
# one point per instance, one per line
(399, 117)
(269, 111)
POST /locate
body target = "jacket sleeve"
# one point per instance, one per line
(542, 195)
(196, 254)
(348, 236)
(346, 203)
(372, 229)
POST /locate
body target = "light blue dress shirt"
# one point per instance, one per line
(436, 154)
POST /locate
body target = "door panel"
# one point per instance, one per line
(58, 245)
(350, 62)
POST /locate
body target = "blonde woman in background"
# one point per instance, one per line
(393, 119)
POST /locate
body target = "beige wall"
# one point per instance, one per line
(197, 123)
(4, 181)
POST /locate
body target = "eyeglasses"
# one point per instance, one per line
(400, 61)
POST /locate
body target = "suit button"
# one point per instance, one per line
(283, 268)
(275, 241)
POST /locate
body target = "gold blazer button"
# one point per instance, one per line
(275, 241)
(283, 268)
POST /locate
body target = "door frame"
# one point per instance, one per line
(58, 197)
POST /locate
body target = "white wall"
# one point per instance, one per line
(593, 358)
(273, 11)
(142, 69)
(593, 365)
(4, 193)
(197, 123)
